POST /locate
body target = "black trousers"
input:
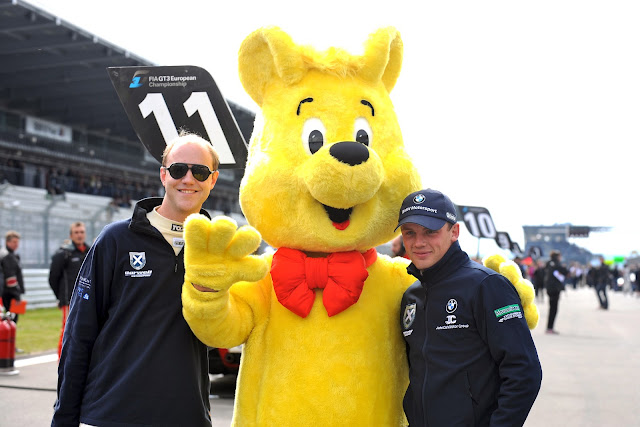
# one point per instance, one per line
(553, 308)
(601, 291)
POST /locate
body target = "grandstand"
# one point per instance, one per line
(555, 237)
(67, 150)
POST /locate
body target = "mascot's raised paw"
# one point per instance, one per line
(217, 254)
(511, 271)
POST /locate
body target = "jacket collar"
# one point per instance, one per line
(144, 206)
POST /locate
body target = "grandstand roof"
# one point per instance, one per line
(54, 70)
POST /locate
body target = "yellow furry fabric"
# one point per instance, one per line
(218, 255)
(349, 369)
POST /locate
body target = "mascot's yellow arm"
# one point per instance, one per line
(225, 319)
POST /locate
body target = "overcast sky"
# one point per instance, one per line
(530, 109)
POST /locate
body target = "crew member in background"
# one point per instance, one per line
(65, 264)
(11, 274)
(11, 270)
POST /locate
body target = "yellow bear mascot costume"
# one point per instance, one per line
(326, 175)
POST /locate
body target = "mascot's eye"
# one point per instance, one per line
(362, 131)
(313, 133)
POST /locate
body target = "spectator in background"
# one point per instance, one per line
(55, 183)
(538, 280)
(397, 248)
(602, 279)
(65, 264)
(574, 274)
(554, 278)
(128, 356)
(634, 277)
(523, 268)
(11, 270)
(615, 280)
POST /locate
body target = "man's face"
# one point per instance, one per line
(426, 247)
(77, 234)
(13, 244)
(186, 195)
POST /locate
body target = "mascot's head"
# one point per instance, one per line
(327, 168)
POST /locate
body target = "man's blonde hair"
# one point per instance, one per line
(184, 137)
(10, 235)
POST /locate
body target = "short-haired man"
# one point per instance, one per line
(65, 265)
(11, 271)
(128, 356)
(472, 360)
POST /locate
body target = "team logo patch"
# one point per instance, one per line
(419, 198)
(452, 304)
(176, 227)
(508, 312)
(137, 260)
(409, 315)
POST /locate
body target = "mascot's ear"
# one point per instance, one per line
(383, 57)
(264, 54)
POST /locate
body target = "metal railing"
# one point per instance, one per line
(43, 220)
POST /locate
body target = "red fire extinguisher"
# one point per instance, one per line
(7, 343)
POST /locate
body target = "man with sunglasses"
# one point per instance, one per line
(128, 356)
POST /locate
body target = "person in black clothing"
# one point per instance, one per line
(65, 265)
(13, 282)
(538, 280)
(128, 356)
(602, 278)
(555, 274)
(472, 360)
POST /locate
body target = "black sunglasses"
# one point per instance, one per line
(179, 170)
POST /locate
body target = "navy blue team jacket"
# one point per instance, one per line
(472, 361)
(128, 356)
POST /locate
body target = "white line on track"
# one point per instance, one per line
(36, 360)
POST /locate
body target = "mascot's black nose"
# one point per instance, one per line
(350, 152)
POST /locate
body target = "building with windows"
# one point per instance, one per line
(62, 126)
(64, 135)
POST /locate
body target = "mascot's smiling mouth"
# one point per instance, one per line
(339, 217)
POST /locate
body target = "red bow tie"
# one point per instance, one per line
(341, 275)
